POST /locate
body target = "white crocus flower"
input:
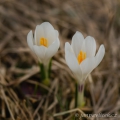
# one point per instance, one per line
(45, 42)
(80, 56)
(81, 59)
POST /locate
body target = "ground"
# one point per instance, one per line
(19, 70)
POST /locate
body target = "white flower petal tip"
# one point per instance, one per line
(67, 47)
(45, 43)
(30, 40)
(80, 55)
(100, 54)
(77, 41)
(90, 46)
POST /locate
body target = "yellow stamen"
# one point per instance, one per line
(44, 42)
(81, 56)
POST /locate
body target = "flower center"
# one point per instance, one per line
(81, 56)
(44, 42)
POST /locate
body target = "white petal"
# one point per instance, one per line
(47, 31)
(40, 52)
(77, 41)
(52, 49)
(30, 40)
(39, 33)
(50, 32)
(47, 26)
(90, 63)
(87, 66)
(68, 47)
(72, 61)
(52, 36)
(83, 48)
(90, 45)
(100, 54)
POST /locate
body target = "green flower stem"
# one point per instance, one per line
(45, 71)
(45, 76)
(79, 101)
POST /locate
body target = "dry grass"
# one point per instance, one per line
(19, 67)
